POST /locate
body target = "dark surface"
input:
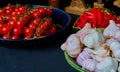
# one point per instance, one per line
(37, 57)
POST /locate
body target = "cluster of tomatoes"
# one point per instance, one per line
(18, 21)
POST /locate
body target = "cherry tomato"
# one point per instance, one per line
(12, 23)
(28, 31)
(36, 21)
(20, 23)
(28, 37)
(6, 29)
(8, 11)
(6, 36)
(1, 10)
(15, 37)
(37, 14)
(41, 10)
(49, 11)
(22, 8)
(53, 29)
(48, 22)
(9, 6)
(33, 26)
(17, 31)
(43, 27)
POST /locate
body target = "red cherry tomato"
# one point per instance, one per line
(5, 29)
(6, 36)
(20, 23)
(28, 31)
(49, 11)
(17, 31)
(53, 29)
(36, 21)
(33, 26)
(15, 37)
(28, 37)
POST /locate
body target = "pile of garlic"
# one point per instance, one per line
(95, 51)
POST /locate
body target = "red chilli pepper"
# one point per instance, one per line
(104, 24)
(105, 16)
(83, 20)
(95, 17)
(114, 17)
(110, 16)
(117, 21)
(100, 17)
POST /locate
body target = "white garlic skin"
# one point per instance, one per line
(117, 34)
(83, 56)
(90, 37)
(110, 29)
(72, 45)
(107, 65)
(89, 64)
(115, 47)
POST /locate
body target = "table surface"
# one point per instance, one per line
(45, 58)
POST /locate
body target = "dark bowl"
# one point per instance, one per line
(59, 17)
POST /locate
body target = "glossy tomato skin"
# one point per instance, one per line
(17, 31)
(5, 29)
(15, 37)
(20, 23)
(48, 11)
(36, 21)
(41, 10)
(1, 10)
(28, 31)
(6, 36)
(28, 37)
(53, 29)
(33, 26)
(12, 23)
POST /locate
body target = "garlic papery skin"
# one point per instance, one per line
(107, 65)
(72, 45)
(117, 34)
(93, 39)
(110, 29)
(115, 47)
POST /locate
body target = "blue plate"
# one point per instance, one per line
(59, 17)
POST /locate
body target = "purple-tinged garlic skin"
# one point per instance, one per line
(110, 29)
(83, 56)
(72, 45)
(117, 34)
(99, 53)
(107, 65)
(115, 47)
(90, 37)
(89, 64)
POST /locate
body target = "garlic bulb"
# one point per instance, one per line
(115, 47)
(83, 56)
(110, 29)
(72, 45)
(89, 64)
(107, 65)
(91, 37)
(117, 34)
(98, 54)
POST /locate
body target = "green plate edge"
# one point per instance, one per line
(72, 63)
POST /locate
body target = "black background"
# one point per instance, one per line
(43, 57)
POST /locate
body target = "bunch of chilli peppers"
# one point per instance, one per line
(97, 17)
